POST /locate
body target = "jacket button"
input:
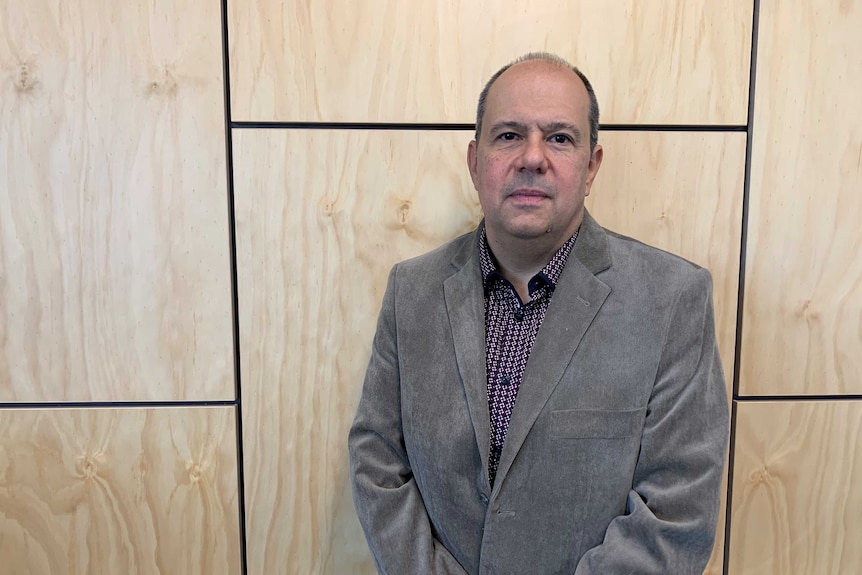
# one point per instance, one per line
(483, 498)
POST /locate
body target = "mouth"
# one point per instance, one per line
(528, 195)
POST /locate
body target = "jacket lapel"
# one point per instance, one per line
(465, 305)
(577, 299)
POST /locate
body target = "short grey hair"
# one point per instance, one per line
(553, 59)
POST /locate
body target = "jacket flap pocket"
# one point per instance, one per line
(596, 423)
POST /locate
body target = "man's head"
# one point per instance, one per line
(594, 102)
(534, 158)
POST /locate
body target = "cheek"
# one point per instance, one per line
(575, 176)
(486, 199)
(492, 171)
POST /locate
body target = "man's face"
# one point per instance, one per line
(532, 165)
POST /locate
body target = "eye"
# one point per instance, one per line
(561, 139)
(508, 136)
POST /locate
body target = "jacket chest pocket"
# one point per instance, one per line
(596, 423)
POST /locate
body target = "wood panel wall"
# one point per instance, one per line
(797, 481)
(135, 491)
(113, 211)
(391, 61)
(115, 291)
(318, 227)
(797, 501)
(119, 413)
(803, 292)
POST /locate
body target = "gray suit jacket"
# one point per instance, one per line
(614, 455)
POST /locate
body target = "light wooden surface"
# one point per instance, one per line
(131, 491)
(321, 217)
(803, 295)
(680, 61)
(114, 268)
(797, 502)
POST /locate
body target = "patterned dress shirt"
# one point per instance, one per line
(510, 331)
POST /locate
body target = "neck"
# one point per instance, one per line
(521, 259)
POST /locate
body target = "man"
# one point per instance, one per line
(543, 396)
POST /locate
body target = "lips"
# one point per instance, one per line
(529, 193)
(528, 196)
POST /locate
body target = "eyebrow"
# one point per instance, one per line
(545, 128)
(560, 126)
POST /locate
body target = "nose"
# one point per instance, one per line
(534, 157)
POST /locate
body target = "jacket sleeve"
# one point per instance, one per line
(387, 499)
(671, 512)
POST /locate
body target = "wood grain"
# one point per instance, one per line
(797, 505)
(681, 61)
(114, 268)
(321, 217)
(803, 289)
(131, 491)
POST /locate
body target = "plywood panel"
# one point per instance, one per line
(803, 293)
(797, 505)
(114, 269)
(137, 491)
(680, 61)
(321, 217)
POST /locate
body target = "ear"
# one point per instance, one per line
(593, 167)
(473, 162)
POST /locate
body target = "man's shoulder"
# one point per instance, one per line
(442, 258)
(633, 255)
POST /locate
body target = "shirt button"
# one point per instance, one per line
(519, 315)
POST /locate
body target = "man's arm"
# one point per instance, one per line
(672, 509)
(387, 499)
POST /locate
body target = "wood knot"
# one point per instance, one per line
(25, 79)
(404, 211)
(88, 466)
(808, 311)
(327, 207)
(195, 471)
(760, 475)
(165, 85)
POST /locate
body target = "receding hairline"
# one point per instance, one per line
(554, 64)
(539, 58)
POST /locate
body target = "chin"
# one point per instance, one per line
(529, 232)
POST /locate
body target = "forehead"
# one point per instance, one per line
(535, 91)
